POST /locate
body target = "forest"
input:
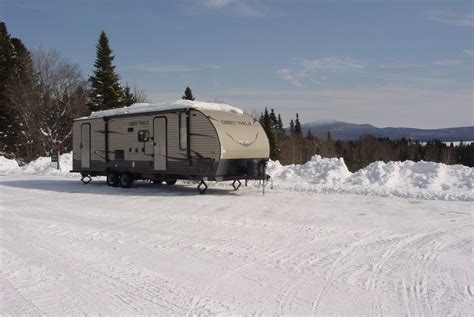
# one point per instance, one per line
(290, 146)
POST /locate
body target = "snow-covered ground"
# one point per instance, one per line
(70, 248)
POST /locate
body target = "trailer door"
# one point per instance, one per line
(160, 146)
(85, 145)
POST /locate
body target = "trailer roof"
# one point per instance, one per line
(154, 107)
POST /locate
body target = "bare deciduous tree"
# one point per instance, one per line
(62, 92)
(140, 94)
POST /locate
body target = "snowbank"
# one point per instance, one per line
(178, 104)
(331, 171)
(423, 180)
(7, 165)
(40, 166)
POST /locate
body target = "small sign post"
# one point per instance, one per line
(55, 155)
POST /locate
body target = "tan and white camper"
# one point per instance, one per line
(165, 142)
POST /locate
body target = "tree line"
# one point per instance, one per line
(291, 146)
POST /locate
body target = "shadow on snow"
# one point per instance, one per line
(98, 187)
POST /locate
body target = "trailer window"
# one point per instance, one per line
(183, 131)
(143, 136)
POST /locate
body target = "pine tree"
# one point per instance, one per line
(106, 92)
(7, 67)
(274, 120)
(281, 131)
(17, 92)
(188, 94)
(129, 97)
(298, 130)
(265, 121)
(292, 127)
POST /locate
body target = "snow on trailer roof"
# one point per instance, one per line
(154, 107)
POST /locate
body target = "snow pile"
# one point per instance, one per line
(178, 104)
(40, 166)
(7, 165)
(330, 171)
(423, 180)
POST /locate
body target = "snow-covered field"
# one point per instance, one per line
(316, 244)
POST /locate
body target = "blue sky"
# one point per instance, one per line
(388, 63)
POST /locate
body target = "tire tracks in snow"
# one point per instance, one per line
(337, 267)
(124, 288)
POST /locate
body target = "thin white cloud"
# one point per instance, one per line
(332, 64)
(170, 68)
(211, 66)
(469, 52)
(162, 68)
(290, 76)
(305, 69)
(238, 7)
(431, 82)
(448, 62)
(216, 3)
(401, 65)
(452, 17)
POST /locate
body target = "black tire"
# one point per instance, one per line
(112, 179)
(126, 180)
(171, 182)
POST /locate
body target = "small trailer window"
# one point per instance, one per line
(183, 131)
(143, 136)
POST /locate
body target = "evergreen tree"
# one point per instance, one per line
(281, 131)
(298, 130)
(7, 66)
(6, 60)
(292, 127)
(273, 120)
(129, 97)
(17, 94)
(188, 94)
(106, 92)
(267, 125)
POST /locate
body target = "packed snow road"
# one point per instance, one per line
(68, 248)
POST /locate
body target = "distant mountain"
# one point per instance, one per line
(350, 131)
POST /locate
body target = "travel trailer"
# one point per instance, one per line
(165, 142)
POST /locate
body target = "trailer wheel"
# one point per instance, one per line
(171, 182)
(112, 179)
(126, 180)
